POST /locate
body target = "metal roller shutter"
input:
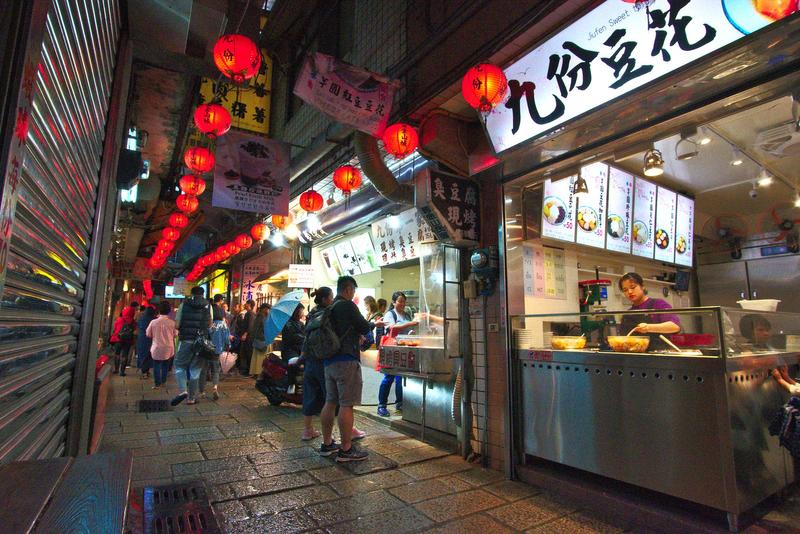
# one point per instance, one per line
(44, 289)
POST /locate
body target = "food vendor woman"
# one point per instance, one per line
(632, 286)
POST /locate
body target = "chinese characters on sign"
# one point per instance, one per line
(405, 236)
(346, 93)
(544, 272)
(251, 174)
(301, 275)
(457, 201)
(684, 231)
(644, 218)
(609, 52)
(250, 271)
(666, 202)
(620, 209)
(590, 227)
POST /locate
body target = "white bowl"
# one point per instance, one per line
(760, 304)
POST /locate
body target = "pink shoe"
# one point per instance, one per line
(358, 434)
(308, 436)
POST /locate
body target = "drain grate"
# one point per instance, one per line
(150, 406)
(178, 509)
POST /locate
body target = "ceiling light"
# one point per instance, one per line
(580, 187)
(764, 179)
(508, 200)
(277, 239)
(313, 223)
(703, 138)
(653, 163)
(394, 221)
(797, 200)
(685, 149)
(736, 159)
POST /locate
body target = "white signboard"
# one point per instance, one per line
(616, 48)
(684, 231)
(180, 286)
(558, 210)
(251, 174)
(344, 251)
(331, 262)
(301, 275)
(402, 237)
(250, 271)
(348, 94)
(364, 253)
(666, 201)
(644, 218)
(589, 227)
(620, 210)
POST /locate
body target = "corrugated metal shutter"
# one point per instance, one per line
(51, 235)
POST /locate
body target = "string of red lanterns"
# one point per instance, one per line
(311, 201)
(241, 242)
(212, 119)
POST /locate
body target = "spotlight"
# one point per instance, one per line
(653, 163)
(703, 138)
(797, 200)
(277, 239)
(736, 159)
(292, 232)
(685, 148)
(313, 223)
(764, 179)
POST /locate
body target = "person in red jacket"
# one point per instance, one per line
(123, 338)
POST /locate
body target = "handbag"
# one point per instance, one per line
(204, 347)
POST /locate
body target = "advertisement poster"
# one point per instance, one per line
(364, 253)
(684, 232)
(401, 237)
(558, 210)
(301, 275)
(666, 203)
(331, 262)
(590, 229)
(644, 218)
(347, 259)
(620, 207)
(250, 271)
(251, 174)
(346, 93)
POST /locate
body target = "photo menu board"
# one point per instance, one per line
(620, 211)
(558, 210)
(644, 218)
(684, 231)
(589, 227)
(666, 202)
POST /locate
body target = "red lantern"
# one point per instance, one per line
(178, 220)
(259, 232)
(235, 286)
(205, 261)
(166, 244)
(282, 221)
(223, 250)
(243, 241)
(192, 185)
(187, 203)
(199, 159)
(484, 86)
(311, 201)
(237, 57)
(170, 233)
(155, 263)
(400, 140)
(212, 119)
(347, 178)
(232, 248)
(218, 257)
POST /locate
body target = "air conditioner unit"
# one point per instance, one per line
(782, 141)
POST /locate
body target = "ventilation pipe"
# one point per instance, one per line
(456, 142)
(378, 173)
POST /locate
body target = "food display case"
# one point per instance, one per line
(416, 355)
(689, 420)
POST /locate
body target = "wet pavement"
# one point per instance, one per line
(262, 478)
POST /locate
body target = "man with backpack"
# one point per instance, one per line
(343, 325)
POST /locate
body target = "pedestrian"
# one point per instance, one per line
(382, 304)
(220, 336)
(237, 312)
(257, 340)
(123, 337)
(143, 358)
(396, 319)
(162, 332)
(343, 380)
(193, 321)
(243, 327)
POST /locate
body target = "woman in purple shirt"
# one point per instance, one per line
(632, 286)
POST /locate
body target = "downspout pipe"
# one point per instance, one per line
(372, 165)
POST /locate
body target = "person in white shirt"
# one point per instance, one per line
(162, 331)
(397, 319)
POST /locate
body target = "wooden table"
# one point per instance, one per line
(87, 494)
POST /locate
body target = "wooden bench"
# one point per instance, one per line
(87, 494)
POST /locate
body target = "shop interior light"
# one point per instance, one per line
(508, 200)
(277, 239)
(394, 221)
(797, 199)
(313, 223)
(764, 179)
(580, 187)
(685, 148)
(653, 163)
(703, 137)
(292, 232)
(736, 157)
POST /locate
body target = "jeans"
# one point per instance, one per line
(215, 368)
(160, 371)
(188, 367)
(386, 385)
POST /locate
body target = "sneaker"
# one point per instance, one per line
(398, 407)
(215, 395)
(382, 411)
(179, 399)
(358, 434)
(329, 450)
(353, 455)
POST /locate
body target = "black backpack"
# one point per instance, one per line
(322, 342)
(126, 333)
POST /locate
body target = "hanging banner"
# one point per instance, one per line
(346, 93)
(252, 270)
(402, 237)
(251, 174)
(450, 205)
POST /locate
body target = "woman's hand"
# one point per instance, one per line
(642, 328)
(776, 374)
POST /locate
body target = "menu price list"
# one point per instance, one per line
(591, 214)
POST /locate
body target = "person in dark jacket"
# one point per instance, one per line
(193, 320)
(123, 337)
(343, 380)
(293, 335)
(243, 326)
(143, 359)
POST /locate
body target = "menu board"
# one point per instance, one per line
(558, 210)
(364, 253)
(591, 213)
(544, 272)
(684, 231)
(347, 259)
(666, 201)
(620, 210)
(644, 218)
(331, 263)
(402, 237)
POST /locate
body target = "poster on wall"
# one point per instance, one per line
(684, 231)
(347, 260)
(331, 262)
(664, 238)
(251, 174)
(250, 271)
(620, 206)
(301, 275)
(558, 210)
(644, 218)
(591, 213)
(364, 253)
(402, 237)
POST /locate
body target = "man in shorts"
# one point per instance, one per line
(343, 373)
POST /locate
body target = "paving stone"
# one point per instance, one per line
(132, 444)
(128, 428)
(459, 504)
(511, 490)
(280, 456)
(161, 450)
(480, 476)
(285, 440)
(247, 429)
(239, 451)
(139, 484)
(329, 474)
(231, 442)
(411, 456)
(185, 431)
(531, 512)
(220, 492)
(131, 436)
(222, 477)
(375, 462)
(434, 468)
(283, 523)
(271, 484)
(230, 512)
(427, 489)
(162, 416)
(351, 508)
(578, 523)
(207, 419)
(204, 466)
(473, 523)
(396, 521)
(287, 500)
(279, 468)
(371, 482)
(190, 438)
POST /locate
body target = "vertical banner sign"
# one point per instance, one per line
(252, 270)
(558, 210)
(346, 93)
(620, 209)
(590, 229)
(684, 232)
(402, 237)
(616, 48)
(251, 174)
(301, 275)
(457, 202)
(644, 218)
(666, 204)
